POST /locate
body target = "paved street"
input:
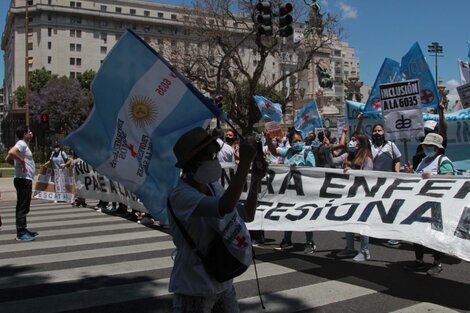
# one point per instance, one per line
(84, 261)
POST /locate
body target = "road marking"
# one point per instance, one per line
(425, 307)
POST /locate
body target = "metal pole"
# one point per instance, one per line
(437, 76)
(26, 64)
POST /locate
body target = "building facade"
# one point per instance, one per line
(69, 37)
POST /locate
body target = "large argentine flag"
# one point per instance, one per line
(142, 106)
(268, 109)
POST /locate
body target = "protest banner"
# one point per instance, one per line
(55, 185)
(274, 129)
(464, 94)
(401, 109)
(92, 185)
(434, 212)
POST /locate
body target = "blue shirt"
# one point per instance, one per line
(297, 158)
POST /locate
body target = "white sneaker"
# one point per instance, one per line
(362, 256)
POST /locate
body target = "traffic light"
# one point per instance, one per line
(264, 18)
(324, 78)
(285, 20)
(44, 121)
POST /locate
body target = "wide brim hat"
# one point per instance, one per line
(190, 144)
(433, 139)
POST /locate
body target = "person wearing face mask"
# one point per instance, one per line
(58, 161)
(295, 155)
(231, 139)
(22, 158)
(385, 154)
(434, 163)
(359, 158)
(203, 207)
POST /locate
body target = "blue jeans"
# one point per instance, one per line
(288, 236)
(350, 242)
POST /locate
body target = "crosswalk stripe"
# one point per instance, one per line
(56, 210)
(306, 297)
(89, 254)
(38, 244)
(80, 230)
(425, 307)
(112, 294)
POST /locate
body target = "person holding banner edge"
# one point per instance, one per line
(434, 163)
(295, 155)
(202, 205)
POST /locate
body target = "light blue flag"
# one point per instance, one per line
(468, 43)
(142, 107)
(388, 73)
(414, 66)
(307, 118)
(272, 111)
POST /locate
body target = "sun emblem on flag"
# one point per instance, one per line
(142, 110)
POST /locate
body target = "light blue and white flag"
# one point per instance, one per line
(468, 44)
(142, 107)
(272, 111)
(414, 66)
(308, 118)
(389, 72)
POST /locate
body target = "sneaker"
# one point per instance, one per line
(393, 242)
(362, 256)
(32, 233)
(417, 265)
(257, 242)
(435, 269)
(346, 253)
(25, 237)
(285, 245)
(310, 247)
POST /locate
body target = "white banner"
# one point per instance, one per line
(401, 109)
(54, 185)
(434, 212)
(464, 94)
(91, 185)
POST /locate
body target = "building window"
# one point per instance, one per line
(30, 2)
(75, 20)
(79, 4)
(103, 23)
(173, 17)
(72, 74)
(118, 10)
(30, 19)
(72, 61)
(30, 46)
(103, 37)
(49, 32)
(103, 50)
(72, 47)
(49, 17)
(79, 62)
(147, 13)
(78, 47)
(132, 11)
(75, 33)
(117, 37)
(49, 45)
(160, 15)
(49, 60)
(103, 8)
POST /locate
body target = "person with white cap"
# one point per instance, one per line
(434, 163)
(205, 209)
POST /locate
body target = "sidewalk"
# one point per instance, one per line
(7, 190)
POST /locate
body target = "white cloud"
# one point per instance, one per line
(323, 3)
(451, 85)
(347, 11)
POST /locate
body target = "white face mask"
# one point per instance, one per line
(352, 146)
(56, 149)
(208, 172)
(429, 151)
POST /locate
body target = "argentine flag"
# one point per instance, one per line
(308, 118)
(141, 108)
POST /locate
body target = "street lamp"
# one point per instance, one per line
(435, 48)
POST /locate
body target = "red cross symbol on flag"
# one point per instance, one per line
(306, 118)
(427, 96)
(241, 242)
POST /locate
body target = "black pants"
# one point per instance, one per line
(419, 253)
(24, 189)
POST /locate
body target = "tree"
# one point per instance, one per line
(37, 80)
(229, 58)
(85, 80)
(64, 101)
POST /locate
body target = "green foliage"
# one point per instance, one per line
(85, 79)
(20, 96)
(39, 78)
